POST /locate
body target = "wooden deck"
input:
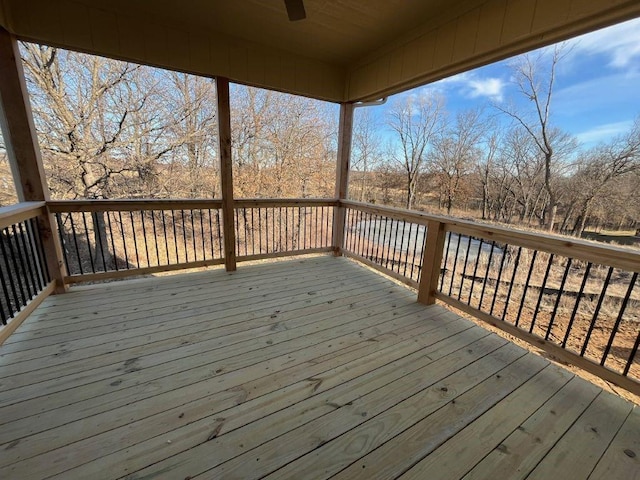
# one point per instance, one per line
(314, 368)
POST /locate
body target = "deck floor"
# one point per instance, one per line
(310, 368)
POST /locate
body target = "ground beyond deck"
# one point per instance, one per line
(316, 368)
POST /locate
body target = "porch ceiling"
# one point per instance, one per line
(345, 50)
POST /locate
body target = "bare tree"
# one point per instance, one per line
(604, 166)
(484, 168)
(415, 120)
(365, 152)
(535, 76)
(456, 150)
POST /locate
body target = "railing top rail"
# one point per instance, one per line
(66, 206)
(19, 212)
(285, 202)
(610, 255)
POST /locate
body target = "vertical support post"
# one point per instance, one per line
(345, 131)
(226, 173)
(431, 261)
(23, 151)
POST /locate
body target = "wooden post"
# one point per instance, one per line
(23, 150)
(226, 173)
(431, 261)
(345, 130)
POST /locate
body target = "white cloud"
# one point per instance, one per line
(470, 85)
(603, 133)
(621, 43)
(486, 87)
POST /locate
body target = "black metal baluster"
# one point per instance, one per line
(5, 256)
(406, 252)
(387, 242)
(259, 230)
(30, 258)
(304, 238)
(144, 236)
(361, 230)
(446, 259)
(315, 237)
(280, 229)
(26, 273)
(596, 312)
(616, 325)
(464, 269)
(273, 231)
(575, 306)
(253, 234)
(516, 263)
(475, 271)
(155, 236)
(395, 245)
(43, 256)
(328, 231)
(542, 287)
(557, 302)
(423, 245)
(86, 233)
(415, 249)
(204, 247)
(347, 229)
(63, 244)
(166, 239)
(12, 282)
(113, 244)
(486, 273)
(632, 356)
(5, 289)
(499, 279)
(213, 252)
(32, 241)
(370, 237)
(124, 242)
(135, 239)
(219, 234)
(193, 237)
(377, 228)
(18, 273)
(286, 229)
(184, 237)
(266, 230)
(526, 286)
(236, 220)
(175, 235)
(455, 263)
(98, 232)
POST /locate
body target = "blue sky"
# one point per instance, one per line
(597, 92)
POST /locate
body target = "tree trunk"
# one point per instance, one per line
(103, 258)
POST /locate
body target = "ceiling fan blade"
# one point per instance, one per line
(295, 10)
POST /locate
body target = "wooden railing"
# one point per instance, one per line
(24, 274)
(275, 228)
(576, 300)
(387, 239)
(119, 238)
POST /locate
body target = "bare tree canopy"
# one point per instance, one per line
(416, 120)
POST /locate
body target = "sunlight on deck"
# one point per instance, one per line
(306, 368)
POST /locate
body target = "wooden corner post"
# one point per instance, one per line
(23, 151)
(226, 173)
(345, 131)
(431, 261)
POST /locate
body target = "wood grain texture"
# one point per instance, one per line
(306, 368)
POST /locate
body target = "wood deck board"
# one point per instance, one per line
(315, 368)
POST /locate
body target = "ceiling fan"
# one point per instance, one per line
(295, 10)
